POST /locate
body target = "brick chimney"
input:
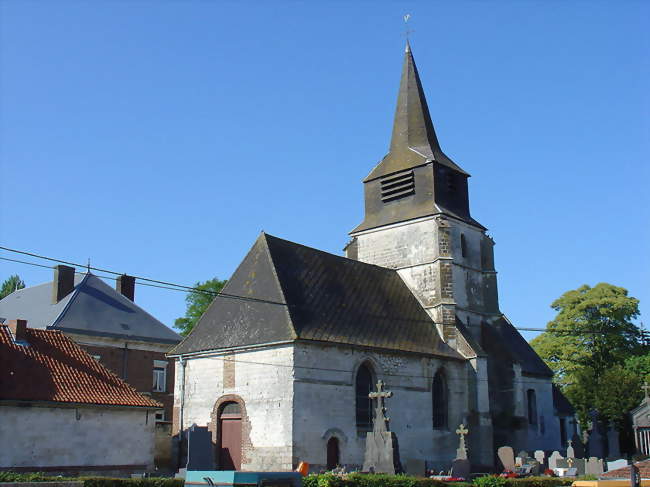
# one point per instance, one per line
(125, 285)
(63, 282)
(17, 328)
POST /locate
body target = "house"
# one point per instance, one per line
(107, 324)
(279, 368)
(114, 330)
(61, 411)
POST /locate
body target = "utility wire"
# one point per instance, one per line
(182, 288)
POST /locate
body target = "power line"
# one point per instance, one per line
(148, 282)
(182, 288)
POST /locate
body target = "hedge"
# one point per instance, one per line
(378, 480)
(93, 481)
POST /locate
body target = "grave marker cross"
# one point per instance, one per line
(461, 453)
(381, 421)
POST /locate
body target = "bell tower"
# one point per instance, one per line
(417, 221)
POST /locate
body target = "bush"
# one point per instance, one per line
(490, 481)
(539, 481)
(25, 477)
(147, 482)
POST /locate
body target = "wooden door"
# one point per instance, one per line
(230, 435)
(332, 453)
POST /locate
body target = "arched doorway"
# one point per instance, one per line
(333, 453)
(230, 437)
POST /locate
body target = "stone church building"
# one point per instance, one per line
(279, 368)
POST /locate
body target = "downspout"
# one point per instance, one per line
(182, 363)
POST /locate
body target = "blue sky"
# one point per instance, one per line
(158, 138)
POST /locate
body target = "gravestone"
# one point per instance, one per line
(540, 456)
(416, 467)
(382, 449)
(580, 464)
(614, 450)
(570, 452)
(578, 446)
(507, 457)
(523, 454)
(534, 466)
(594, 466)
(616, 464)
(460, 468)
(554, 459)
(199, 448)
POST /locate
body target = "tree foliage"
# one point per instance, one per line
(197, 303)
(587, 345)
(11, 284)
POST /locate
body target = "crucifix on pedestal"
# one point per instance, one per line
(381, 420)
(461, 453)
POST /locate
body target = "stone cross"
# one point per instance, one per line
(645, 388)
(461, 453)
(381, 421)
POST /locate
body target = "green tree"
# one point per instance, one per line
(197, 302)
(587, 344)
(11, 284)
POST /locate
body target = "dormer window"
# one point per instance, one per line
(397, 185)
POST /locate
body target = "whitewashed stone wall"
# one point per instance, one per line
(62, 437)
(324, 403)
(263, 379)
(545, 435)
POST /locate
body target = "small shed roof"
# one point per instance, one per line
(50, 367)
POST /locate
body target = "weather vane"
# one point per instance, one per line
(406, 25)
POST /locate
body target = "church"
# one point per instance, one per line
(279, 368)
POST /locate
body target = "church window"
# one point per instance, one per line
(440, 399)
(532, 406)
(363, 387)
(397, 185)
(463, 245)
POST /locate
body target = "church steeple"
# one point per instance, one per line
(414, 140)
(415, 179)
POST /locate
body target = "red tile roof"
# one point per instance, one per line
(54, 368)
(624, 473)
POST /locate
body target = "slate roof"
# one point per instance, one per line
(501, 339)
(316, 296)
(624, 473)
(51, 367)
(414, 141)
(92, 308)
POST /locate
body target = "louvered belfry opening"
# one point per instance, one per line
(397, 185)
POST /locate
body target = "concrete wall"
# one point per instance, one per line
(69, 437)
(262, 379)
(324, 404)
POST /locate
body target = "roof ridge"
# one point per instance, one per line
(267, 249)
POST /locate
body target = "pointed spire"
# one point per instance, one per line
(414, 140)
(412, 128)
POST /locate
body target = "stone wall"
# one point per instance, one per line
(262, 380)
(324, 405)
(56, 438)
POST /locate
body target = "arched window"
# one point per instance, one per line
(363, 387)
(333, 453)
(532, 406)
(463, 245)
(440, 400)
